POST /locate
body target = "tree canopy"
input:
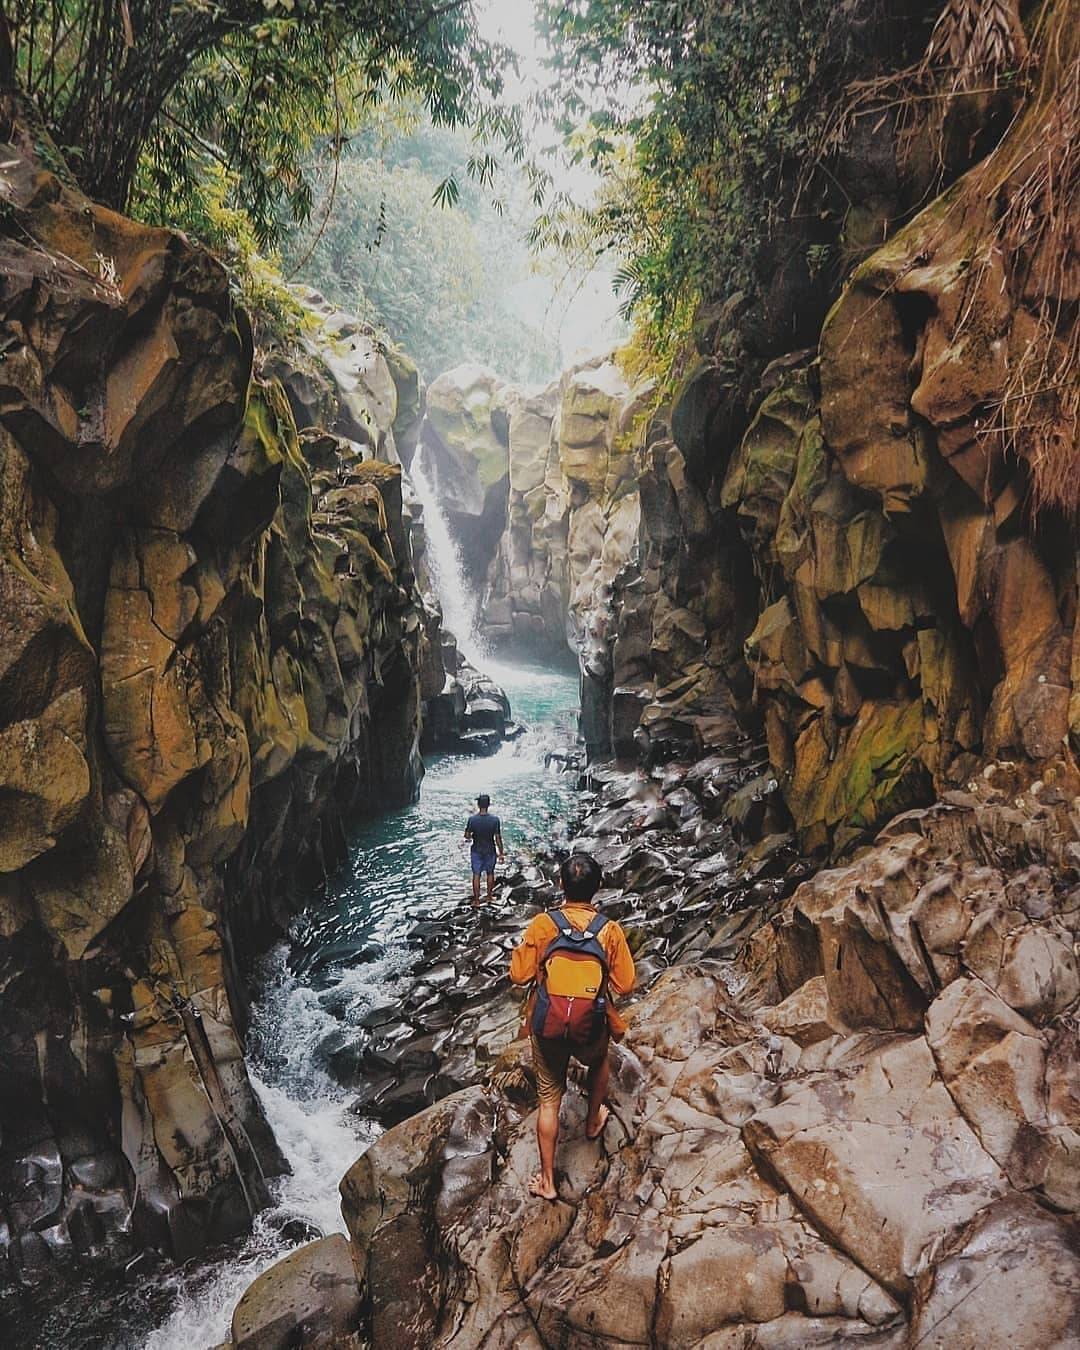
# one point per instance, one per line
(702, 117)
(143, 96)
(444, 283)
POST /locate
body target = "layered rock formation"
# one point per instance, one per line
(204, 616)
(463, 454)
(863, 516)
(572, 512)
(541, 495)
(849, 1113)
(861, 1131)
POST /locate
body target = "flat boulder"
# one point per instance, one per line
(310, 1298)
(1011, 1277)
(882, 1160)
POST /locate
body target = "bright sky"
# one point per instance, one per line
(590, 320)
(511, 22)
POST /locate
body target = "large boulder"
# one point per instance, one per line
(362, 403)
(464, 453)
(466, 437)
(309, 1298)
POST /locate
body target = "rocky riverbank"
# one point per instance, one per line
(847, 1111)
(843, 1110)
(683, 852)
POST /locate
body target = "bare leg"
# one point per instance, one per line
(547, 1138)
(476, 888)
(598, 1086)
(491, 884)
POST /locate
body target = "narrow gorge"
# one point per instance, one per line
(785, 634)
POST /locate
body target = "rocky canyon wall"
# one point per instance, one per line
(848, 1114)
(205, 613)
(541, 495)
(870, 546)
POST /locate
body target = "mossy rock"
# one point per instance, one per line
(875, 770)
(761, 472)
(793, 541)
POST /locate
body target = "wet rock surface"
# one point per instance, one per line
(683, 875)
(470, 715)
(308, 1299)
(800, 1152)
(205, 612)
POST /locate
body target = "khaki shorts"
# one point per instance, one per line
(551, 1059)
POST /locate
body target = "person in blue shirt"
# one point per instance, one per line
(485, 832)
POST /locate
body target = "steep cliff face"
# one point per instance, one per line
(540, 490)
(204, 614)
(892, 533)
(850, 1113)
(573, 515)
(463, 452)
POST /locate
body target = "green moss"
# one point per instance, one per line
(261, 435)
(876, 770)
(876, 760)
(793, 542)
(762, 469)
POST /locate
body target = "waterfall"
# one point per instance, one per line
(459, 606)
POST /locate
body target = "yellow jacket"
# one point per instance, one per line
(528, 954)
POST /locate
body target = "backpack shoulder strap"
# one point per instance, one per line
(597, 925)
(559, 919)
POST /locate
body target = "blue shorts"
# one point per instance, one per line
(482, 862)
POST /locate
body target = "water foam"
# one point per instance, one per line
(324, 980)
(319, 1136)
(459, 605)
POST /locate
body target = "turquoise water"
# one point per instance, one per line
(416, 859)
(345, 955)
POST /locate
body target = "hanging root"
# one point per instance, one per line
(1034, 196)
(1019, 207)
(977, 49)
(973, 45)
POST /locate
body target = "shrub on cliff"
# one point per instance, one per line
(751, 150)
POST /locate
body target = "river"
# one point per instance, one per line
(314, 984)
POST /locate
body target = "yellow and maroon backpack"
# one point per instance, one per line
(571, 986)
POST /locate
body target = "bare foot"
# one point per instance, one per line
(538, 1187)
(602, 1120)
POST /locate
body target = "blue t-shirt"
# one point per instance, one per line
(483, 827)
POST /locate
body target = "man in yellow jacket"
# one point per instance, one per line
(581, 877)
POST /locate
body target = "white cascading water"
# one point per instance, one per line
(459, 607)
(307, 1110)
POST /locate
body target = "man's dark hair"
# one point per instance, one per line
(581, 876)
(483, 801)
